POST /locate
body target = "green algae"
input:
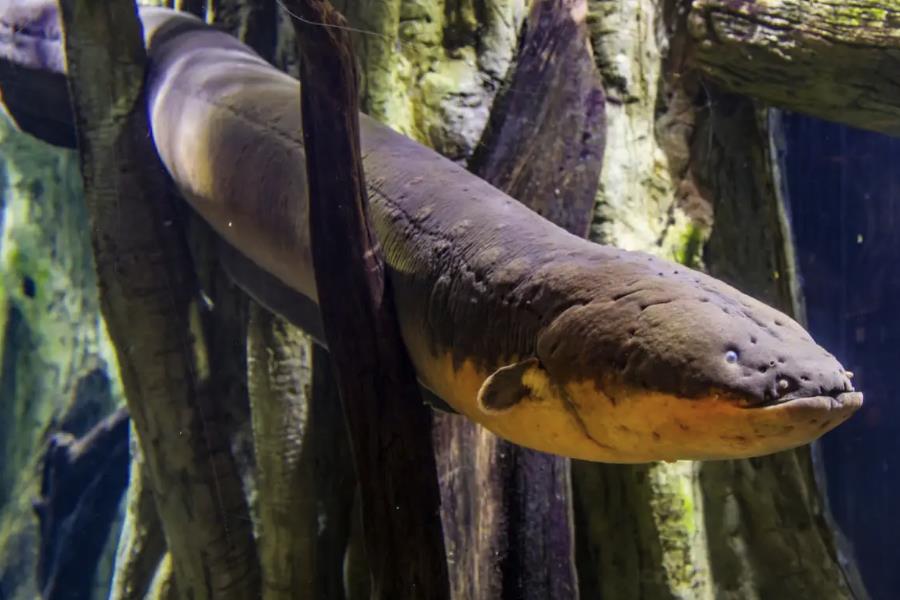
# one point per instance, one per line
(52, 331)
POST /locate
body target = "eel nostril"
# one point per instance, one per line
(785, 384)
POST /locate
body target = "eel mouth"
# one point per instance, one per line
(838, 402)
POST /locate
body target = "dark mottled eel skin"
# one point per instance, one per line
(548, 340)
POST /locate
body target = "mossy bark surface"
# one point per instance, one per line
(674, 531)
(827, 58)
(58, 368)
(141, 547)
(431, 68)
(304, 485)
(147, 288)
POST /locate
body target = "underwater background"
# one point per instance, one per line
(844, 190)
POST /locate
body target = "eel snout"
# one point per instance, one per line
(672, 364)
(813, 415)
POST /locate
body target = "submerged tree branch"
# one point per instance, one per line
(146, 291)
(829, 58)
(389, 425)
(280, 382)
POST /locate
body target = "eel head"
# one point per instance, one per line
(673, 365)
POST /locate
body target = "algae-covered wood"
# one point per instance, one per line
(57, 364)
(147, 285)
(828, 58)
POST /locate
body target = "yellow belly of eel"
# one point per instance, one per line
(621, 423)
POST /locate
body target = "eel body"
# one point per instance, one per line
(546, 339)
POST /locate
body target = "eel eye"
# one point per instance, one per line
(731, 357)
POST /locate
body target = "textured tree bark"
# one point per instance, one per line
(146, 293)
(280, 376)
(52, 343)
(827, 58)
(544, 141)
(389, 426)
(643, 202)
(163, 585)
(431, 69)
(745, 535)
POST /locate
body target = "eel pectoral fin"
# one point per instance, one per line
(513, 384)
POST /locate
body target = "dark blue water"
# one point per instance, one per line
(844, 188)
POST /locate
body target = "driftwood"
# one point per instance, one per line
(82, 484)
(304, 479)
(828, 58)
(147, 288)
(544, 142)
(389, 425)
(279, 380)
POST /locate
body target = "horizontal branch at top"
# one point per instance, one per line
(835, 59)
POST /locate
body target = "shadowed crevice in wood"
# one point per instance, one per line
(82, 484)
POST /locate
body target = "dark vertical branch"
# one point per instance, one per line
(508, 518)
(545, 139)
(146, 291)
(389, 424)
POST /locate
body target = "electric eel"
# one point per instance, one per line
(546, 339)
